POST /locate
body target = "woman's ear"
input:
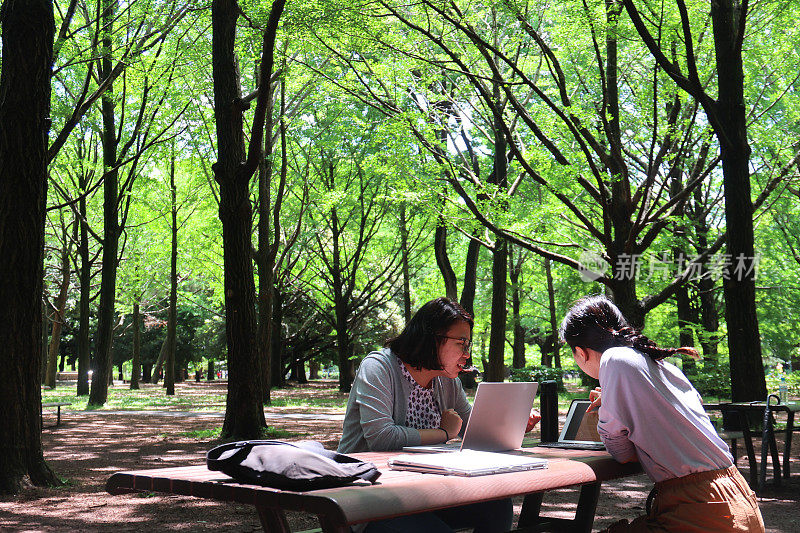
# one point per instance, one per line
(580, 354)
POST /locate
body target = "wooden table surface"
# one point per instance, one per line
(396, 493)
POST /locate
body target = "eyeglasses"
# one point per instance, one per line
(466, 344)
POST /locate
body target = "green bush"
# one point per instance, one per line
(539, 373)
(713, 381)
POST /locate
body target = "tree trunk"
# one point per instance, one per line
(313, 370)
(551, 304)
(499, 314)
(683, 302)
(405, 268)
(343, 348)
(211, 374)
(470, 277)
(518, 343)
(58, 316)
(172, 320)
(162, 354)
(108, 283)
(28, 29)
(276, 352)
(709, 315)
(443, 260)
(43, 341)
(85, 295)
(744, 341)
(137, 346)
(683, 305)
(244, 415)
(343, 345)
(298, 371)
(709, 318)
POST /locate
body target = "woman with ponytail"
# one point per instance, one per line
(649, 412)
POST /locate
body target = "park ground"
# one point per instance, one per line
(88, 446)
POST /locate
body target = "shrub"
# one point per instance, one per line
(539, 373)
(713, 381)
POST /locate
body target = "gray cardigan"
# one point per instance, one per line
(376, 410)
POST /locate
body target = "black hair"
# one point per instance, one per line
(595, 322)
(418, 343)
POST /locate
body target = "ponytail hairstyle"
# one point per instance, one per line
(418, 343)
(595, 322)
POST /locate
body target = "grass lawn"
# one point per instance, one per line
(210, 396)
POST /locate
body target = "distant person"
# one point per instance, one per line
(649, 412)
(409, 393)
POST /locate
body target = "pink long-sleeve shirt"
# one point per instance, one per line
(652, 413)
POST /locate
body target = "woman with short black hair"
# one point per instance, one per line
(408, 394)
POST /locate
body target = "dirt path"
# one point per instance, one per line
(88, 447)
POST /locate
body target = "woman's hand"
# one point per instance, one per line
(533, 420)
(451, 423)
(594, 396)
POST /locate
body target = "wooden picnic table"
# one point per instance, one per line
(397, 493)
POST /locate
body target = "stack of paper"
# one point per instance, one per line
(466, 463)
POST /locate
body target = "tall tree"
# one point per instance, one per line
(172, 320)
(244, 416)
(351, 229)
(499, 315)
(59, 306)
(137, 346)
(28, 30)
(727, 116)
(518, 332)
(111, 229)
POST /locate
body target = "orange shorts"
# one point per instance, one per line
(719, 500)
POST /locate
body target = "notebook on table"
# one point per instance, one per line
(466, 463)
(497, 422)
(580, 429)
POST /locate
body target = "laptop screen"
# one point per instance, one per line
(580, 426)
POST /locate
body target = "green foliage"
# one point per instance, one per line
(368, 93)
(148, 397)
(339, 402)
(713, 381)
(539, 373)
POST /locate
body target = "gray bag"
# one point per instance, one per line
(299, 466)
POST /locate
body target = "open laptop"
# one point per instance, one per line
(499, 416)
(580, 429)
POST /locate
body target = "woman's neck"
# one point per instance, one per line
(423, 376)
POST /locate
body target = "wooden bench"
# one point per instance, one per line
(57, 405)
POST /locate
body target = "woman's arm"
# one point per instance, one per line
(434, 436)
(615, 438)
(375, 399)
